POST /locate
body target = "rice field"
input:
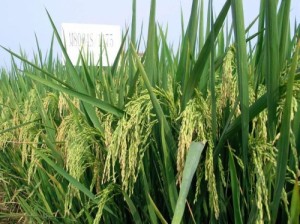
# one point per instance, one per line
(206, 133)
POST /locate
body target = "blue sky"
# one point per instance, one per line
(20, 20)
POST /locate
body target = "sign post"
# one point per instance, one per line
(87, 39)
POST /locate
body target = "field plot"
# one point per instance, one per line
(206, 133)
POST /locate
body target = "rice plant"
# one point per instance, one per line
(208, 132)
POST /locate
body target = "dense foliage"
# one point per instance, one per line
(207, 133)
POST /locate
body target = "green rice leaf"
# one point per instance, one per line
(192, 160)
(151, 60)
(284, 139)
(71, 179)
(23, 59)
(295, 204)
(200, 64)
(146, 190)
(272, 63)
(157, 212)
(18, 126)
(50, 56)
(242, 71)
(235, 188)
(133, 41)
(169, 171)
(39, 51)
(188, 46)
(120, 51)
(284, 31)
(136, 217)
(158, 110)
(75, 77)
(86, 98)
(212, 78)
(33, 214)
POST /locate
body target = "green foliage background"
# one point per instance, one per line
(208, 132)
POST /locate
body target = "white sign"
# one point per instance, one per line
(87, 39)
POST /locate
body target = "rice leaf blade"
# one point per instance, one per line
(71, 179)
(151, 60)
(200, 64)
(235, 190)
(242, 72)
(188, 46)
(159, 112)
(284, 139)
(191, 163)
(272, 61)
(159, 215)
(18, 126)
(295, 204)
(75, 77)
(150, 208)
(169, 172)
(136, 217)
(86, 98)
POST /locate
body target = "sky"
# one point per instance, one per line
(21, 20)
